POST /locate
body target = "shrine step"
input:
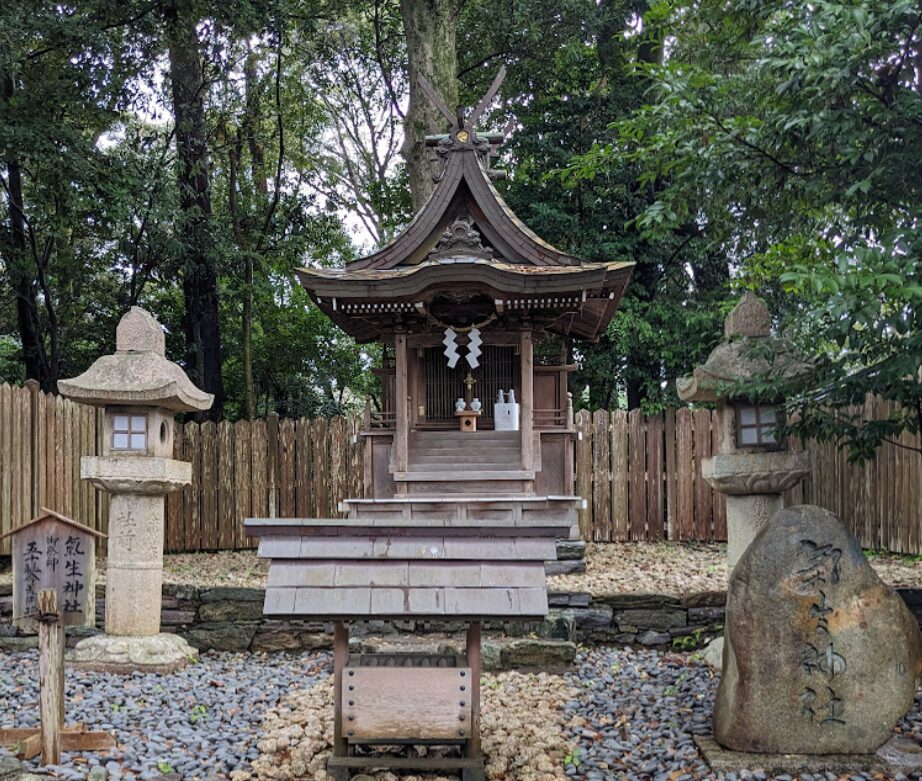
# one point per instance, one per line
(480, 436)
(466, 475)
(427, 465)
(454, 453)
(447, 509)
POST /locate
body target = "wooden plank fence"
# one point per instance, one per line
(640, 475)
(41, 440)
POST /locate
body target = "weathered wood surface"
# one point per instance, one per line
(402, 703)
(53, 552)
(28, 740)
(431, 547)
(51, 675)
(44, 436)
(52, 737)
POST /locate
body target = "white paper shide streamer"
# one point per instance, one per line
(451, 347)
(473, 348)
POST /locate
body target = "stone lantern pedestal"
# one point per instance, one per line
(140, 391)
(753, 484)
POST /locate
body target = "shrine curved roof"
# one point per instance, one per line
(465, 237)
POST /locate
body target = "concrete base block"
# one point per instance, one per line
(161, 653)
(897, 755)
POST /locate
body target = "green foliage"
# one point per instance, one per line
(573, 69)
(572, 758)
(787, 132)
(86, 123)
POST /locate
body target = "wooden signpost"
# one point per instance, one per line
(54, 552)
(52, 737)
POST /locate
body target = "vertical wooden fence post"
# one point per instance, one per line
(584, 471)
(34, 400)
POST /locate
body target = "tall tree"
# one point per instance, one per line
(65, 77)
(788, 133)
(356, 66)
(574, 67)
(430, 27)
(201, 321)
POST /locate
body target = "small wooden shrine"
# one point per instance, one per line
(468, 465)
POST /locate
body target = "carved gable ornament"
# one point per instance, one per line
(461, 239)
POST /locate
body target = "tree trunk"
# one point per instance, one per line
(200, 276)
(430, 27)
(258, 169)
(21, 271)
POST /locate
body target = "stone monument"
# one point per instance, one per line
(751, 467)
(820, 657)
(140, 391)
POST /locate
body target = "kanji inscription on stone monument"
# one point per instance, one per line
(54, 552)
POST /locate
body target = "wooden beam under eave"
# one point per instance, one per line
(527, 402)
(400, 454)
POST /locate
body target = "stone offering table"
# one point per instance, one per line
(140, 391)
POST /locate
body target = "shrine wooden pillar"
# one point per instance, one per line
(527, 401)
(401, 367)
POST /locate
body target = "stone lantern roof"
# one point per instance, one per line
(138, 373)
(748, 351)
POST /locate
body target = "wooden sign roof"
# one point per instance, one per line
(47, 514)
(358, 568)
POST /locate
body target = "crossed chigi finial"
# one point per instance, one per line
(463, 133)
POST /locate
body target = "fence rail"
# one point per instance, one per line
(641, 475)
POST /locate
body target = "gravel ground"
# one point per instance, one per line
(684, 568)
(637, 713)
(200, 722)
(620, 714)
(524, 732)
(636, 567)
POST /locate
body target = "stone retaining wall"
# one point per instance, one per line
(230, 619)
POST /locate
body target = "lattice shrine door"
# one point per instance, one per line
(443, 385)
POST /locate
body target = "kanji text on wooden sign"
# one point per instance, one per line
(54, 552)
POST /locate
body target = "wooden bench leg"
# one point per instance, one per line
(340, 660)
(472, 748)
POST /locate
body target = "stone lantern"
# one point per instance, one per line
(751, 466)
(140, 391)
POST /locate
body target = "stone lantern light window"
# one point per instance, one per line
(755, 426)
(129, 432)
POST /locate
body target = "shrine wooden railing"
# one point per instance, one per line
(640, 475)
(555, 418)
(381, 420)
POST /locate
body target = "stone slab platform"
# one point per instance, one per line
(897, 755)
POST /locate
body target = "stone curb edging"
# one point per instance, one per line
(226, 618)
